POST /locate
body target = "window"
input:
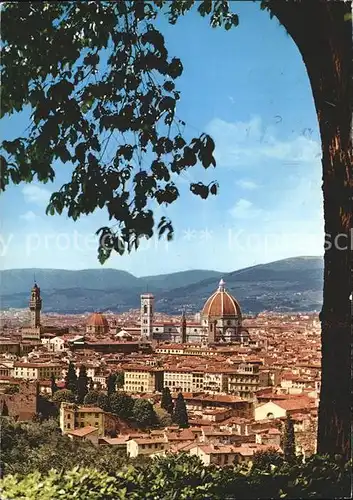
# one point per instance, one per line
(69, 416)
(145, 309)
(68, 426)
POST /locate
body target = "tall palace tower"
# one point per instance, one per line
(35, 306)
(147, 310)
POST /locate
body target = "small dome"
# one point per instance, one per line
(221, 304)
(97, 320)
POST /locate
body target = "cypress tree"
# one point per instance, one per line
(71, 379)
(111, 384)
(54, 387)
(180, 415)
(4, 410)
(82, 384)
(166, 401)
(119, 380)
(289, 440)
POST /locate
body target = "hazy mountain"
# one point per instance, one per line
(183, 278)
(21, 280)
(291, 284)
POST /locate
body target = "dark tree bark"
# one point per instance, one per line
(322, 31)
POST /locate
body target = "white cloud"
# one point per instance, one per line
(29, 216)
(36, 195)
(248, 143)
(244, 209)
(247, 184)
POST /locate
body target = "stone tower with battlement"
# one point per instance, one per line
(147, 311)
(35, 306)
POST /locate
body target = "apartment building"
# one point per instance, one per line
(214, 381)
(244, 381)
(37, 371)
(146, 446)
(141, 378)
(179, 379)
(78, 417)
(195, 379)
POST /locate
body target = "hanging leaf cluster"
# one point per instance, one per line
(100, 86)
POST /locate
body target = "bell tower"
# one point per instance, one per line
(35, 306)
(183, 328)
(147, 310)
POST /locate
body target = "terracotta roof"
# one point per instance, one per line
(90, 409)
(97, 319)
(19, 364)
(295, 404)
(149, 441)
(221, 304)
(83, 431)
(117, 440)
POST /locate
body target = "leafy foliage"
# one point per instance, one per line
(266, 460)
(143, 413)
(91, 398)
(105, 74)
(64, 396)
(46, 408)
(103, 401)
(164, 419)
(180, 415)
(26, 447)
(121, 404)
(184, 477)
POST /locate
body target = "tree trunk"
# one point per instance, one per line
(322, 31)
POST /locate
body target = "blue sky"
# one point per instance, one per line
(249, 89)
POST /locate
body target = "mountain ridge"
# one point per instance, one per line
(293, 284)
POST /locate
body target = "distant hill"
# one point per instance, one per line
(183, 278)
(286, 285)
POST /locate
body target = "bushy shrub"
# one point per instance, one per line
(184, 477)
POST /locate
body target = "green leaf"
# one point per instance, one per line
(200, 190)
(214, 188)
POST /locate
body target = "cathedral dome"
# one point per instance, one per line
(221, 304)
(97, 320)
